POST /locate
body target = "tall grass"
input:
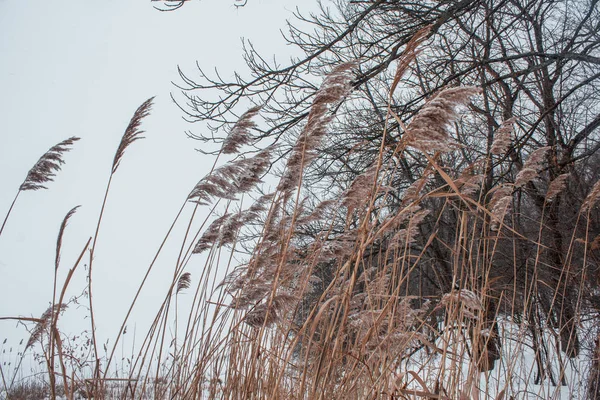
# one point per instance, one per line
(337, 295)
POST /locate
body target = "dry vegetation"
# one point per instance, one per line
(399, 255)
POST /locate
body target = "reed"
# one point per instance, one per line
(378, 290)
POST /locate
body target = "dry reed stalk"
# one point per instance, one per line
(132, 133)
(53, 330)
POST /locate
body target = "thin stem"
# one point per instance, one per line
(92, 251)
(9, 211)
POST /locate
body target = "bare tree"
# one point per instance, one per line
(530, 142)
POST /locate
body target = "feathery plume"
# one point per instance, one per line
(409, 55)
(42, 326)
(184, 282)
(469, 184)
(45, 169)
(132, 133)
(318, 212)
(592, 198)
(240, 133)
(337, 248)
(334, 88)
(253, 290)
(259, 206)
(502, 138)
(210, 235)
(402, 215)
(61, 232)
(224, 230)
(360, 190)
(230, 229)
(428, 130)
(500, 204)
(266, 315)
(231, 179)
(407, 236)
(532, 166)
(556, 186)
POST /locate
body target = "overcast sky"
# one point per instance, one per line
(81, 68)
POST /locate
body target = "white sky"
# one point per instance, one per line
(81, 68)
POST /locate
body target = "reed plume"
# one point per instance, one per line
(210, 235)
(45, 169)
(407, 236)
(223, 230)
(240, 133)
(184, 282)
(469, 183)
(500, 204)
(532, 166)
(61, 232)
(556, 186)
(42, 326)
(42, 172)
(502, 138)
(409, 55)
(360, 189)
(264, 314)
(468, 301)
(592, 198)
(234, 178)
(428, 130)
(132, 133)
(336, 86)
